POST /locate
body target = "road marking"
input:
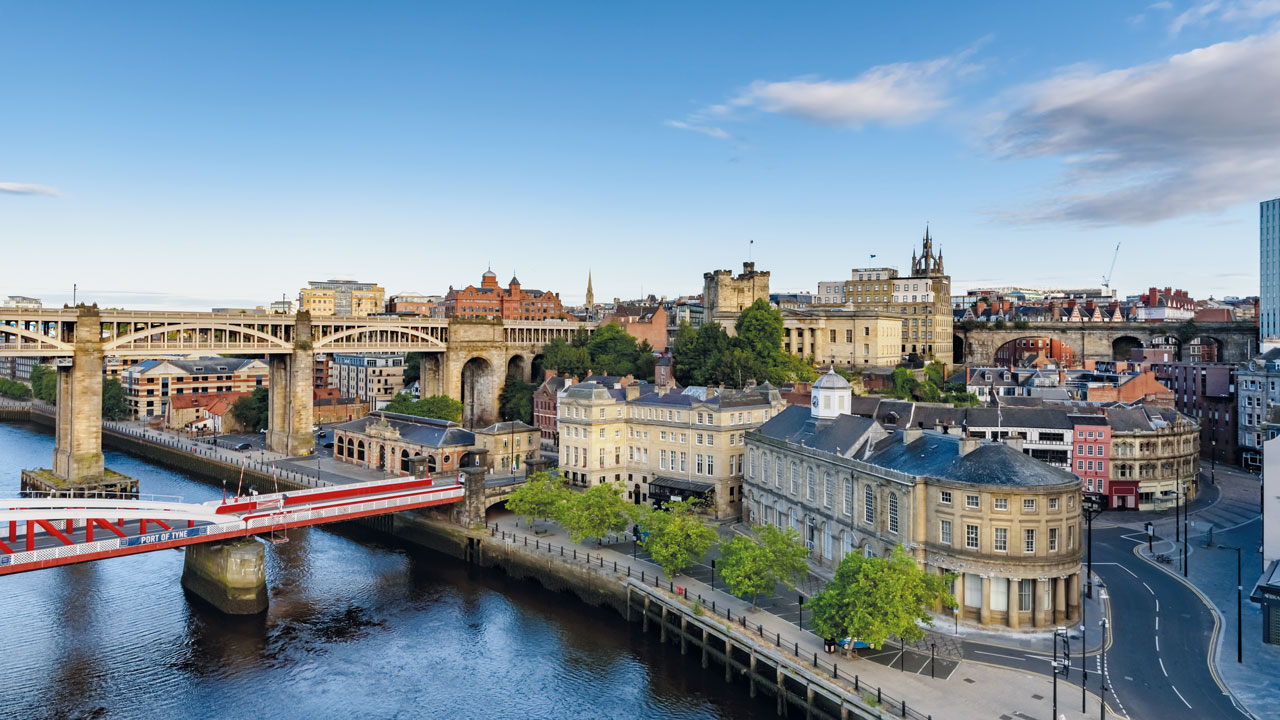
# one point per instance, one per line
(1157, 608)
(1157, 637)
(1011, 657)
(1184, 700)
(1148, 587)
(1166, 672)
(1157, 621)
(1122, 567)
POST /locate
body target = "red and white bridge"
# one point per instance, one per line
(48, 532)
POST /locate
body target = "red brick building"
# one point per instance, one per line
(492, 301)
(642, 323)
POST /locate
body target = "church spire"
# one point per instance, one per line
(591, 296)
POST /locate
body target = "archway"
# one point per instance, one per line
(1167, 342)
(406, 465)
(431, 463)
(517, 366)
(1122, 347)
(382, 457)
(538, 368)
(957, 350)
(1034, 351)
(478, 392)
(1203, 348)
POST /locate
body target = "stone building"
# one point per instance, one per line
(492, 301)
(341, 297)
(1257, 397)
(662, 444)
(1155, 452)
(1007, 525)
(923, 299)
(148, 385)
(844, 337)
(389, 442)
(373, 378)
(725, 296)
(509, 446)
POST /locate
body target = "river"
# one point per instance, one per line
(360, 626)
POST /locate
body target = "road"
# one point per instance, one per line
(1159, 662)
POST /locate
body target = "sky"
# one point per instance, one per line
(191, 155)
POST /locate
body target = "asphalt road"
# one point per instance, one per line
(1159, 662)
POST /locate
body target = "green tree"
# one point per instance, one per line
(250, 412)
(44, 383)
(515, 402)
(708, 356)
(598, 511)
(676, 536)
(874, 598)
(114, 406)
(412, 368)
(542, 497)
(14, 389)
(441, 407)
(566, 359)
(752, 568)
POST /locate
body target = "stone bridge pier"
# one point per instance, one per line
(289, 394)
(77, 449)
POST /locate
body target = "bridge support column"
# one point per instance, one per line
(231, 576)
(470, 512)
(77, 451)
(289, 392)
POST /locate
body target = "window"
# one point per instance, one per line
(699, 461)
(811, 486)
(1028, 505)
(777, 473)
(1053, 539)
(1029, 541)
(1071, 537)
(944, 532)
(848, 497)
(711, 439)
(945, 497)
(683, 463)
(1001, 503)
(893, 512)
(1025, 589)
(662, 459)
(971, 501)
(828, 489)
(697, 439)
(1000, 540)
(869, 505)
(711, 465)
(1053, 503)
(971, 541)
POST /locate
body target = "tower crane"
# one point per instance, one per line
(1106, 279)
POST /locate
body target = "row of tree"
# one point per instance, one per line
(607, 350)
(709, 356)
(933, 388)
(44, 386)
(14, 389)
(440, 407)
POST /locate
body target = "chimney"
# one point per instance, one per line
(548, 374)
(911, 434)
(1014, 442)
(968, 445)
(633, 391)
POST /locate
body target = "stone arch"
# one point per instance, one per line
(478, 392)
(537, 367)
(1167, 342)
(518, 365)
(957, 349)
(1121, 346)
(1028, 350)
(1205, 348)
(406, 464)
(360, 451)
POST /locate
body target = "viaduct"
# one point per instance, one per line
(464, 359)
(1235, 341)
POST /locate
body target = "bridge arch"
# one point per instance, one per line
(957, 349)
(479, 390)
(519, 366)
(121, 341)
(43, 340)
(1204, 348)
(1035, 349)
(328, 340)
(1121, 346)
(1167, 342)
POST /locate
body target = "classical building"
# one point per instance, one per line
(373, 378)
(662, 444)
(389, 442)
(1155, 452)
(1007, 525)
(923, 299)
(1257, 397)
(510, 446)
(725, 296)
(149, 384)
(848, 338)
(341, 297)
(491, 301)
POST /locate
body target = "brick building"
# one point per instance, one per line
(642, 322)
(149, 384)
(1206, 392)
(410, 303)
(493, 302)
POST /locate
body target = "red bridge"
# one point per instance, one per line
(60, 531)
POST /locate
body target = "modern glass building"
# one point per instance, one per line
(1269, 270)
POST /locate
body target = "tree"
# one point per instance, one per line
(14, 389)
(873, 598)
(542, 497)
(755, 567)
(594, 513)
(441, 407)
(250, 412)
(44, 384)
(515, 402)
(676, 536)
(114, 406)
(412, 368)
(708, 356)
(568, 360)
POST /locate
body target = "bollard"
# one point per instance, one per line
(855, 683)
(815, 658)
(904, 708)
(575, 553)
(878, 698)
(835, 670)
(729, 613)
(797, 649)
(641, 576)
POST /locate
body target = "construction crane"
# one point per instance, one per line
(1106, 279)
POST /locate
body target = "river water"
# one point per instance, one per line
(360, 626)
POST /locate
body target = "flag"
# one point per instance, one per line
(873, 257)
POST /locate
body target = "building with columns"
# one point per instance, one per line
(389, 442)
(923, 299)
(1008, 525)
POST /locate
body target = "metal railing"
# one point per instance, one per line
(649, 576)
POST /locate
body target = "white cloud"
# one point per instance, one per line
(1196, 133)
(1233, 11)
(28, 189)
(894, 94)
(1193, 15)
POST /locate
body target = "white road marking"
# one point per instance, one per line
(1157, 622)
(1184, 700)
(1148, 587)
(1157, 642)
(1122, 567)
(1011, 657)
(1157, 604)
(1166, 672)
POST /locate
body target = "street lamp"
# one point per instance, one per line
(1102, 696)
(800, 624)
(1065, 666)
(713, 574)
(1239, 595)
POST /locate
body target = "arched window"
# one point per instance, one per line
(893, 512)
(828, 489)
(869, 505)
(811, 489)
(795, 479)
(848, 496)
(405, 464)
(777, 472)
(360, 450)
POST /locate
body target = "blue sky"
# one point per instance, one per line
(182, 155)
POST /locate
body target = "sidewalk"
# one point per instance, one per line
(972, 691)
(1212, 571)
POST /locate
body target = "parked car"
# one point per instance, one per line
(243, 446)
(322, 434)
(328, 445)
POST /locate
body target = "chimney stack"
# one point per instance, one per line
(968, 444)
(911, 434)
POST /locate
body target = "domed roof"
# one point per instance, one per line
(831, 381)
(489, 274)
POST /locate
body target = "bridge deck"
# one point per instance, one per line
(242, 516)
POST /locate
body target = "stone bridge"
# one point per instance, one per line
(467, 360)
(1235, 341)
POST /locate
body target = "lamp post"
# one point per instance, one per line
(1064, 667)
(1102, 696)
(800, 624)
(932, 659)
(1239, 596)
(713, 574)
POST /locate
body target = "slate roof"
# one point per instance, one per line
(512, 426)
(937, 455)
(418, 430)
(844, 435)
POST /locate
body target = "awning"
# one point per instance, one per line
(681, 484)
